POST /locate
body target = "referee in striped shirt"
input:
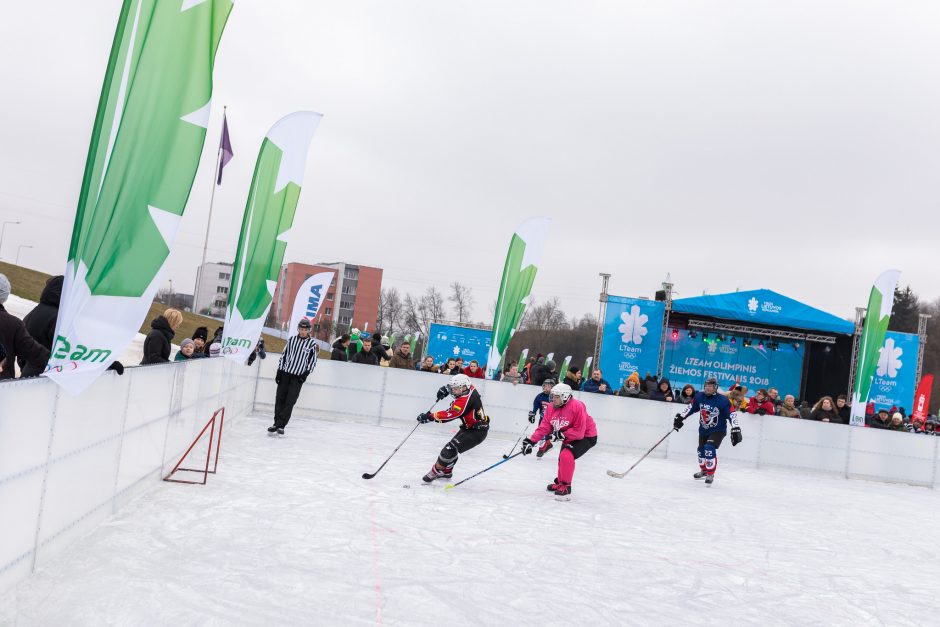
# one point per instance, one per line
(297, 361)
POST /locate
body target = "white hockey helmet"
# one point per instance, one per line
(561, 394)
(459, 385)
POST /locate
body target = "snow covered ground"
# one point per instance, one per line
(131, 356)
(289, 533)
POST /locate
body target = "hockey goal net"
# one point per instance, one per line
(214, 427)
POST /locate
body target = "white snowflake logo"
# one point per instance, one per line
(889, 363)
(456, 350)
(752, 305)
(634, 325)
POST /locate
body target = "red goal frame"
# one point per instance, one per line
(210, 425)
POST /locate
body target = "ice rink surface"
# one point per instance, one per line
(288, 533)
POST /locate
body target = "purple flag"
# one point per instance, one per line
(226, 147)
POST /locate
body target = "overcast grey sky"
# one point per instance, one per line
(735, 144)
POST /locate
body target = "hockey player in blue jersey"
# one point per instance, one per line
(715, 412)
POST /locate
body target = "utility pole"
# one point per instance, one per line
(856, 342)
(601, 311)
(667, 288)
(921, 345)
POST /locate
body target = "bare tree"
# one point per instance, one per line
(390, 311)
(462, 298)
(418, 313)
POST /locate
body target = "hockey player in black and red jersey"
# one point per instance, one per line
(474, 424)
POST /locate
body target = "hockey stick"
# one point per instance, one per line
(451, 486)
(621, 475)
(507, 455)
(367, 475)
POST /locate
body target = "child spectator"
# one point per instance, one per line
(200, 336)
(186, 351)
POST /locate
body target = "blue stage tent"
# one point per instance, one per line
(763, 307)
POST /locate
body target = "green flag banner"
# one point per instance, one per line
(525, 253)
(564, 368)
(873, 338)
(145, 147)
(269, 214)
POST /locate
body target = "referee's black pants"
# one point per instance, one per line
(287, 392)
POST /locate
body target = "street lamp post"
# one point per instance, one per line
(2, 229)
(18, 250)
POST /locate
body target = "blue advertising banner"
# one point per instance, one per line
(445, 341)
(893, 384)
(633, 328)
(692, 360)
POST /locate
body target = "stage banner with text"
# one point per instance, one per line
(893, 384)
(632, 332)
(445, 341)
(691, 360)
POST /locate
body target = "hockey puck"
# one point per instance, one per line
(406, 486)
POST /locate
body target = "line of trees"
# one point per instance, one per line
(905, 316)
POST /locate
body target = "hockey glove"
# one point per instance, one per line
(425, 417)
(532, 417)
(558, 436)
(735, 436)
(677, 422)
(527, 446)
(761, 412)
(442, 392)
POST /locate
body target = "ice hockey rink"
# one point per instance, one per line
(289, 533)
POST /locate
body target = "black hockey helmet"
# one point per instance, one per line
(303, 324)
(711, 381)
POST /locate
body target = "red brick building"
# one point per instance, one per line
(352, 299)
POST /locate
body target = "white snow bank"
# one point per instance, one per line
(289, 533)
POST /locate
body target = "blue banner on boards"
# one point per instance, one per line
(633, 329)
(893, 384)
(692, 360)
(445, 341)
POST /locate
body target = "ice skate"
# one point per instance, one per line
(563, 491)
(709, 480)
(551, 487)
(433, 474)
(699, 475)
(280, 431)
(272, 428)
(543, 450)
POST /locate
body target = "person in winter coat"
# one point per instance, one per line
(200, 337)
(157, 344)
(450, 367)
(597, 384)
(649, 384)
(216, 339)
(339, 348)
(687, 395)
(512, 375)
(825, 410)
(761, 404)
(366, 355)
(474, 371)
(631, 387)
(567, 421)
(897, 422)
(573, 378)
(663, 391)
(881, 420)
(540, 372)
(842, 406)
(40, 322)
(381, 348)
(738, 397)
(428, 365)
(259, 352)
(16, 340)
(930, 428)
(788, 408)
(186, 352)
(402, 358)
(774, 397)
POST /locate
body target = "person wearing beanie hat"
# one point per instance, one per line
(897, 422)
(16, 340)
(541, 371)
(215, 349)
(186, 351)
(881, 420)
(200, 337)
(631, 387)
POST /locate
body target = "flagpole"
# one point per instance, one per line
(205, 244)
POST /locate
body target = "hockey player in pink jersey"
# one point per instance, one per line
(566, 420)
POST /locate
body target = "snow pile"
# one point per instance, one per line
(289, 533)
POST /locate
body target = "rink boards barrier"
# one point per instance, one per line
(343, 391)
(69, 462)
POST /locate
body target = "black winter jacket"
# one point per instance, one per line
(338, 353)
(40, 323)
(369, 358)
(17, 342)
(157, 344)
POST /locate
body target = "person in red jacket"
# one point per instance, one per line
(761, 404)
(565, 420)
(474, 371)
(474, 424)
